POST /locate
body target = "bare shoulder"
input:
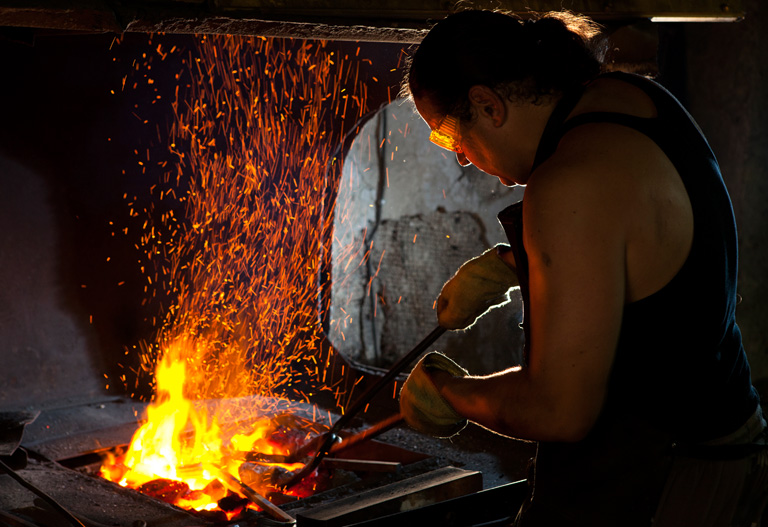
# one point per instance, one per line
(597, 190)
(611, 161)
(595, 165)
(619, 178)
(609, 183)
(573, 203)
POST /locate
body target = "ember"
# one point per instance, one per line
(167, 490)
(253, 142)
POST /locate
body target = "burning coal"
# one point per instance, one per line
(234, 241)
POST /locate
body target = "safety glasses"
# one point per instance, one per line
(446, 134)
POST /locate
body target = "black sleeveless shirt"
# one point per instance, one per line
(680, 373)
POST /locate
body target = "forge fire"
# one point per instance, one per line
(184, 456)
(232, 244)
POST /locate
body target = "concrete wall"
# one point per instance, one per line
(47, 350)
(407, 216)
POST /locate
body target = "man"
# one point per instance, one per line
(635, 382)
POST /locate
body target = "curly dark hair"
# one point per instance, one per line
(520, 59)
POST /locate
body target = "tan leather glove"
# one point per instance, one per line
(479, 285)
(422, 405)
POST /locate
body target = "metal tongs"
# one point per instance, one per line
(327, 441)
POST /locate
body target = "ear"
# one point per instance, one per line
(488, 103)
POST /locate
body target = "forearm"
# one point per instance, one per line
(512, 403)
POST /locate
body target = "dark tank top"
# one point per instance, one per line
(680, 373)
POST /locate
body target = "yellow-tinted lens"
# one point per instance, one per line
(446, 135)
(443, 141)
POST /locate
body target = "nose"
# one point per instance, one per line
(462, 159)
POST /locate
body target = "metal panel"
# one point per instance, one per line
(433, 487)
(390, 20)
(393, 13)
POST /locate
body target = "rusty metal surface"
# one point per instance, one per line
(495, 506)
(425, 489)
(392, 21)
(61, 433)
(89, 498)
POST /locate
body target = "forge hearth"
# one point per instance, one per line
(65, 446)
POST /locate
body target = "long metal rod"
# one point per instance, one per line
(397, 368)
(270, 508)
(369, 433)
(332, 436)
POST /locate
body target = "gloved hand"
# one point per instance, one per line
(480, 284)
(422, 405)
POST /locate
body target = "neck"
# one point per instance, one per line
(527, 122)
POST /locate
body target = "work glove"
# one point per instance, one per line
(422, 405)
(479, 285)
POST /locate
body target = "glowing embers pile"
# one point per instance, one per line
(178, 455)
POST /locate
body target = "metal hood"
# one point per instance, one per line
(365, 20)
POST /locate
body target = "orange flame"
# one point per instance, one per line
(183, 443)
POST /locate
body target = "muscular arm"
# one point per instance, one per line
(574, 233)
